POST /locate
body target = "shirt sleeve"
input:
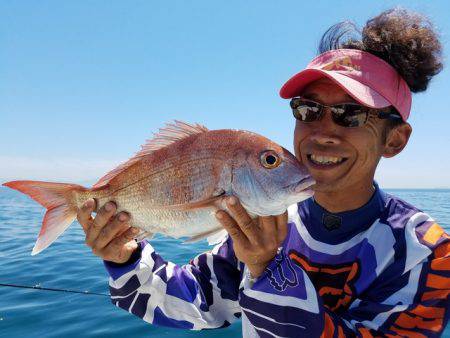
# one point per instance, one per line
(413, 303)
(201, 294)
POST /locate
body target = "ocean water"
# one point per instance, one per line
(68, 264)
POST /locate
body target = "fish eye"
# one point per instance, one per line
(270, 159)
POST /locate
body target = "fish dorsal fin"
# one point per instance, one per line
(171, 133)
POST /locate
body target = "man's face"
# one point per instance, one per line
(354, 152)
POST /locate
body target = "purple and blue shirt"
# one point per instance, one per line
(380, 270)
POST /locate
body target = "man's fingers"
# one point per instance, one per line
(111, 230)
(282, 227)
(121, 248)
(268, 225)
(127, 250)
(101, 219)
(243, 219)
(84, 213)
(232, 228)
(117, 243)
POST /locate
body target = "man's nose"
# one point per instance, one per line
(325, 130)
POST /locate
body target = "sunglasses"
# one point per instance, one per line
(344, 114)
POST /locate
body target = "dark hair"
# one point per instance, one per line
(404, 39)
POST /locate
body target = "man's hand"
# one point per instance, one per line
(108, 235)
(255, 242)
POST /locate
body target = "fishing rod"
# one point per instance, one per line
(37, 287)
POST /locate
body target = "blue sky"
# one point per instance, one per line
(84, 83)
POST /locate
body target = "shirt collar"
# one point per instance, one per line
(338, 227)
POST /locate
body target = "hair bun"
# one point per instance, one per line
(408, 42)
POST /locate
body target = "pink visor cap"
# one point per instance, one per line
(368, 79)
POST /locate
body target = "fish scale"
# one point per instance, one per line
(172, 186)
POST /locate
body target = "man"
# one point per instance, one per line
(352, 261)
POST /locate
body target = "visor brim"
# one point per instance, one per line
(362, 93)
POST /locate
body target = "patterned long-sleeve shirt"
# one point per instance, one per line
(381, 270)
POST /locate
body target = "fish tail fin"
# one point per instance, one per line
(58, 199)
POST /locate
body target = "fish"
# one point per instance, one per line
(178, 180)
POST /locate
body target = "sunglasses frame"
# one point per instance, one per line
(384, 113)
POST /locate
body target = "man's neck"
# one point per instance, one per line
(346, 200)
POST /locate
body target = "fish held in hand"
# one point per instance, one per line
(178, 180)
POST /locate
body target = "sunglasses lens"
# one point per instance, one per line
(305, 111)
(350, 115)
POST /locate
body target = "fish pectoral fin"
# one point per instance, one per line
(217, 237)
(206, 203)
(219, 192)
(213, 236)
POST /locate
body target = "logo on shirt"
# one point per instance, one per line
(331, 222)
(334, 283)
(283, 274)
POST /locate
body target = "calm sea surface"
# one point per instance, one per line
(68, 264)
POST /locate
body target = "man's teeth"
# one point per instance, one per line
(326, 159)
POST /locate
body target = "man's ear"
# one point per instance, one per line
(397, 139)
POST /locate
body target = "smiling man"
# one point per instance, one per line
(338, 140)
(352, 260)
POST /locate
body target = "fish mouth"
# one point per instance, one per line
(303, 186)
